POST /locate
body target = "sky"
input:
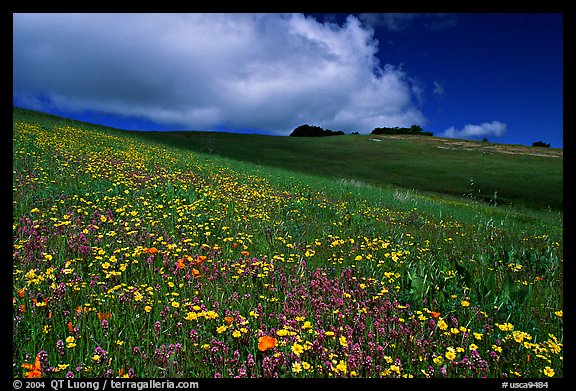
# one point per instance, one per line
(497, 76)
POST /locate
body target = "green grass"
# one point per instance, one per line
(194, 256)
(484, 171)
(407, 162)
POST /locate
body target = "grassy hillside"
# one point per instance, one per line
(500, 174)
(135, 259)
(517, 175)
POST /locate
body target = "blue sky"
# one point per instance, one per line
(469, 76)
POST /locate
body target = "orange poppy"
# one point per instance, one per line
(35, 370)
(195, 273)
(23, 308)
(151, 250)
(180, 264)
(21, 292)
(70, 327)
(121, 372)
(266, 342)
(104, 315)
(435, 314)
(228, 320)
(199, 259)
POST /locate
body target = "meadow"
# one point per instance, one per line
(517, 175)
(133, 258)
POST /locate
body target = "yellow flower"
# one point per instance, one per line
(478, 336)
(343, 341)
(191, 316)
(236, 333)
(342, 367)
(297, 349)
(464, 303)
(442, 324)
(518, 336)
(296, 367)
(211, 315)
(450, 355)
(505, 327)
(221, 329)
(70, 342)
(548, 371)
(473, 347)
(559, 313)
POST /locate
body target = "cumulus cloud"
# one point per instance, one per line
(268, 72)
(469, 131)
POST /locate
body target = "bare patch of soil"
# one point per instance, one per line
(480, 146)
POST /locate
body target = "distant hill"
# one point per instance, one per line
(494, 173)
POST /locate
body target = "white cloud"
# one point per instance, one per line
(469, 131)
(268, 72)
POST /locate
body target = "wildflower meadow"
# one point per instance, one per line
(133, 259)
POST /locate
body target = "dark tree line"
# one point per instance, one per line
(313, 131)
(414, 129)
(316, 131)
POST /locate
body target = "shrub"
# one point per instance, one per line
(313, 131)
(540, 144)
